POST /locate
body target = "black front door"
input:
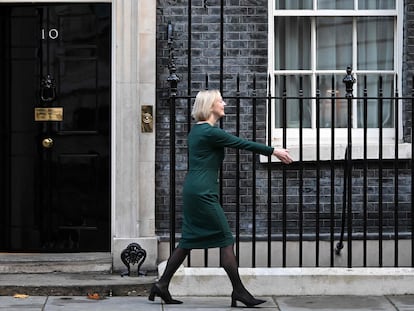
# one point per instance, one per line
(55, 84)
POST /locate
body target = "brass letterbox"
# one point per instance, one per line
(49, 114)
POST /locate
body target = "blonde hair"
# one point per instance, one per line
(203, 103)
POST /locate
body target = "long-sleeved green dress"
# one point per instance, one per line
(204, 222)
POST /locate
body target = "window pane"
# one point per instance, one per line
(338, 4)
(334, 42)
(292, 84)
(327, 91)
(292, 43)
(293, 4)
(376, 4)
(375, 43)
(372, 86)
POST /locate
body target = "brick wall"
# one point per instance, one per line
(245, 53)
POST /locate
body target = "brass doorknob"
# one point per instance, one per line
(47, 142)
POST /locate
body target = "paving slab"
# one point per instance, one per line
(72, 303)
(80, 303)
(403, 302)
(31, 303)
(335, 303)
(206, 303)
(216, 304)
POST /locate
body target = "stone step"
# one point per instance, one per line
(68, 274)
(48, 263)
(74, 284)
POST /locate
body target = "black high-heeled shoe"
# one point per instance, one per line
(248, 301)
(164, 294)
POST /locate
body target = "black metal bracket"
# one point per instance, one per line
(133, 254)
(173, 78)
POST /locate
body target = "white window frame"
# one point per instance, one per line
(309, 134)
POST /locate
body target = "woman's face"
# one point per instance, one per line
(218, 108)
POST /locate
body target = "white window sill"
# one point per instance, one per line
(309, 152)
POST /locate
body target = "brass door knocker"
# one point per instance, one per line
(48, 89)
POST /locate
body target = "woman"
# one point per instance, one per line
(204, 222)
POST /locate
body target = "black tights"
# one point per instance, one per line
(176, 259)
(227, 259)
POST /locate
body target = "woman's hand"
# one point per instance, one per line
(283, 155)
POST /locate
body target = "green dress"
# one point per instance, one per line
(204, 222)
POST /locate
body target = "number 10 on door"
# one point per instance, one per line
(52, 34)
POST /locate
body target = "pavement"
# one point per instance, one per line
(111, 292)
(140, 303)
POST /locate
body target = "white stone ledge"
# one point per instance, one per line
(295, 281)
(309, 152)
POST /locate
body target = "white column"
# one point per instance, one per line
(133, 202)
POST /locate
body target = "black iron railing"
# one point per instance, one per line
(360, 200)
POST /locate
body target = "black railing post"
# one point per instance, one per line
(396, 155)
(380, 172)
(284, 182)
(318, 178)
(269, 173)
(365, 203)
(349, 81)
(238, 171)
(254, 210)
(332, 164)
(189, 77)
(301, 167)
(173, 80)
(412, 172)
